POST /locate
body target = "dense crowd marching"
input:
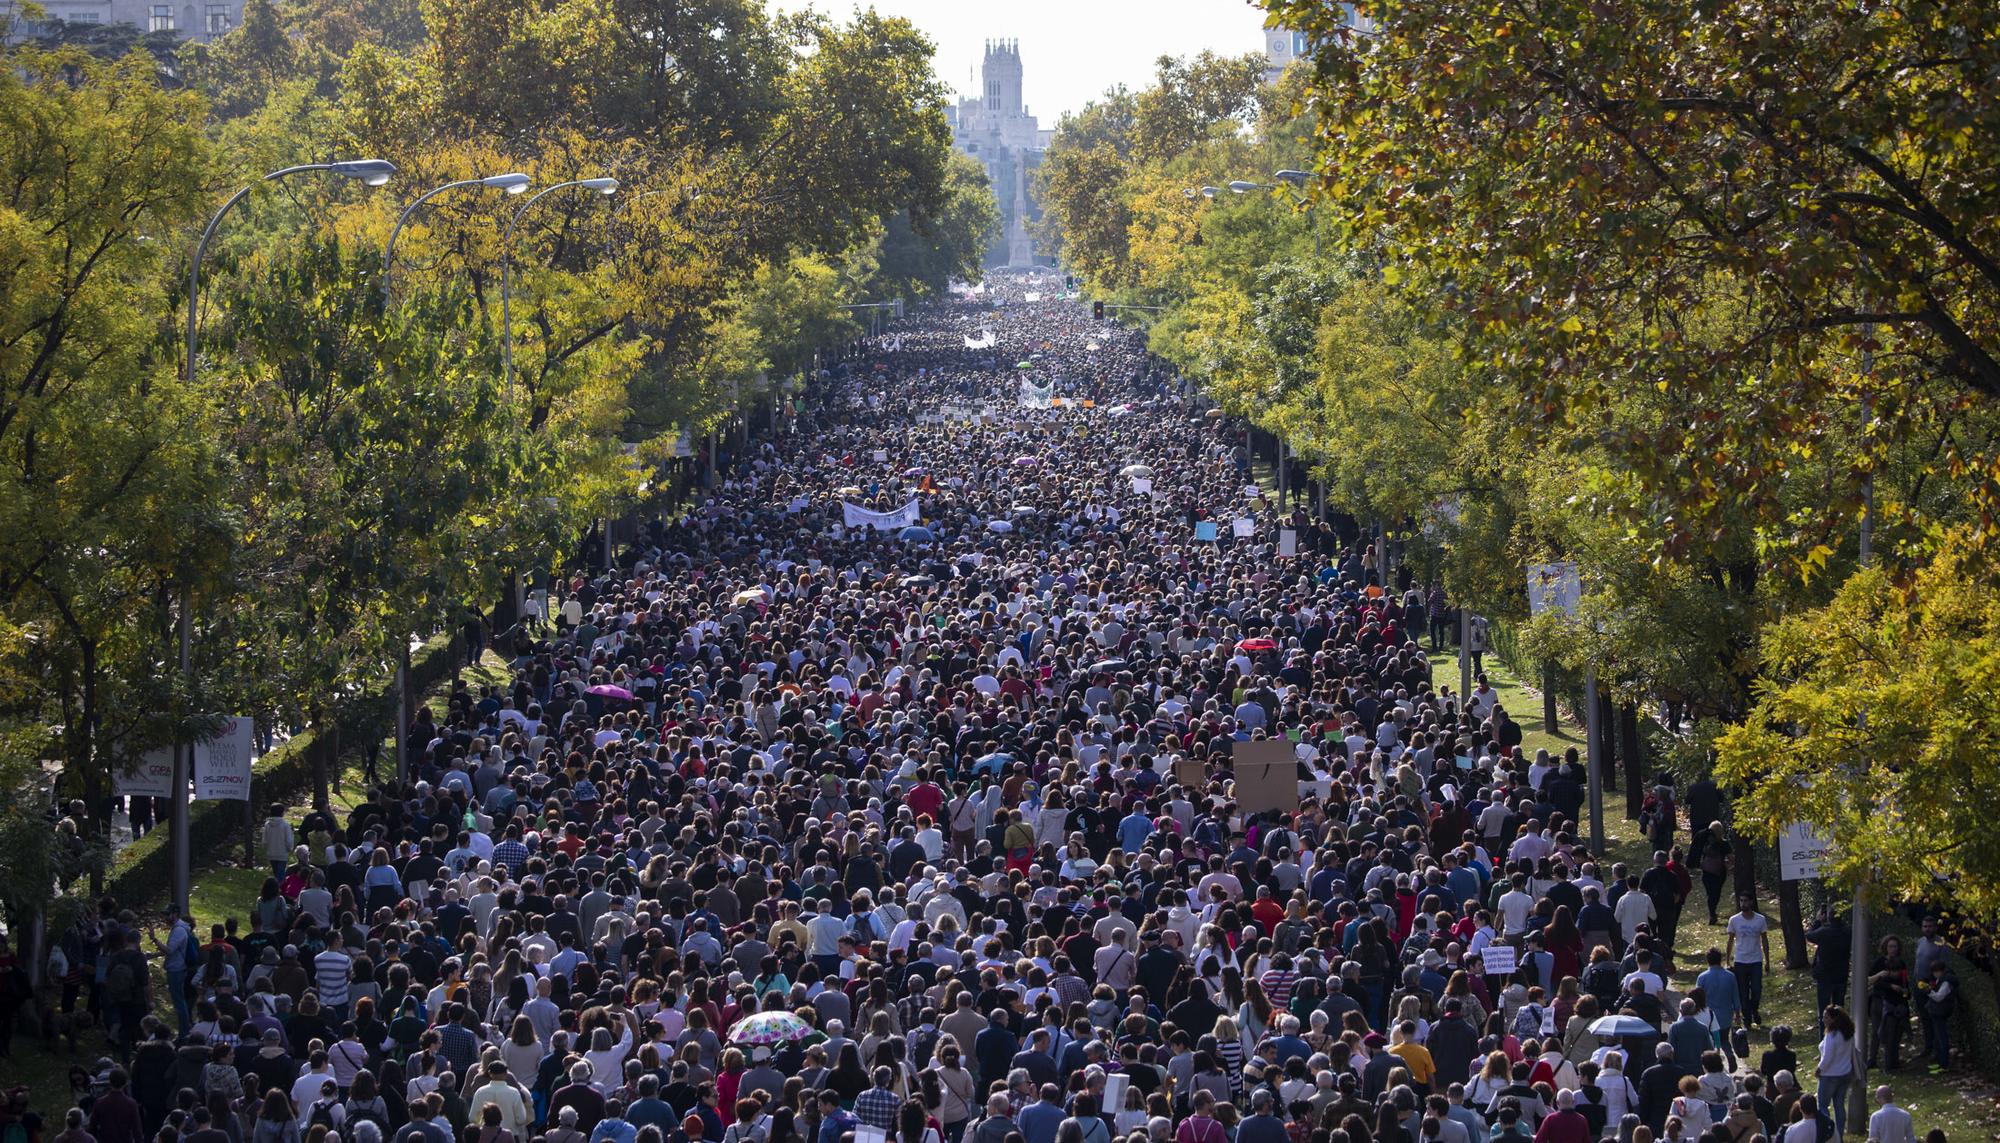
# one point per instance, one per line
(801, 830)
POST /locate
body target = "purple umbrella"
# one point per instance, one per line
(606, 690)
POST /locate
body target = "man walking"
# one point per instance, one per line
(1749, 952)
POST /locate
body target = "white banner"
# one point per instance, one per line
(222, 765)
(153, 777)
(1036, 396)
(858, 517)
(985, 340)
(1554, 587)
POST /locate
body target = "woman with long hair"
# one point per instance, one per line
(913, 1124)
(957, 1095)
(275, 1121)
(1836, 1063)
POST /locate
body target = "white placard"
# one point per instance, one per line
(222, 764)
(1243, 527)
(881, 456)
(1499, 959)
(866, 1134)
(1288, 542)
(152, 778)
(1114, 1093)
(1802, 854)
(1142, 486)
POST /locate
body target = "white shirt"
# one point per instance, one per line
(1891, 1124)
(1749, 933)
(1635, 908)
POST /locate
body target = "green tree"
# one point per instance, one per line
(103, 495)
(1598, 183)
(921, 262)
(1876, 725)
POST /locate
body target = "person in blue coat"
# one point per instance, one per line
(1718, 987)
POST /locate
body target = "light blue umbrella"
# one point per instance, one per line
(915, 532)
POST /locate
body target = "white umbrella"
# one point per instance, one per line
(1620, 1024)
(1136, 470)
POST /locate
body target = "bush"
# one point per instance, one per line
(144, 873)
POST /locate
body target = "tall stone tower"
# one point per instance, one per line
(995, 128)
(1002, 73)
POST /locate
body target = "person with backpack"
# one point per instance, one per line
(126, 991)
(365, 1103)
(326, 1110)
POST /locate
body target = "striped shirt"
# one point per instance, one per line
(1278, 984)
(331, 971)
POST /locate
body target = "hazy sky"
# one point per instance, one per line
(1071, 50)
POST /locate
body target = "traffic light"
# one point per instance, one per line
(1097, 310)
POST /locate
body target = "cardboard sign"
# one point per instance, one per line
(1288, 542)
(1142, 486)
(1499, 959)
(1190, 772)
(222, 764)
(1267, 776)
(1204, 532)
(1244, 527)
(881, 456)
(153, 777)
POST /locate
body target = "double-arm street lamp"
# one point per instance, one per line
(512, 183)
(1288, 179)
(371, 172)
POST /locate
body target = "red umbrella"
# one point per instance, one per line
(1258, 645)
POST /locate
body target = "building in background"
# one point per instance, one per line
(1282, 45)
(996, 129)
(198, 20)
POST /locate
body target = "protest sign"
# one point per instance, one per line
(1267, 776)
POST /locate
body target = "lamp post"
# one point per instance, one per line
(511, 183)
(604, 186)
(371, 172)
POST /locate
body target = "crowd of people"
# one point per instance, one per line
(892, 792)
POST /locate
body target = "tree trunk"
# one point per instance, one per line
(1792, 923)
(1744, 857)
(1635, 760)
(1549, 716)
(317, 766)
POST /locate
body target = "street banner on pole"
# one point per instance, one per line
(222, 764)
(153, 777)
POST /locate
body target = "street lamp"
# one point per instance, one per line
(1209, 192)
(512, 183)
(371, 172)
(604, 186)
(1244, 186)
